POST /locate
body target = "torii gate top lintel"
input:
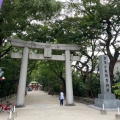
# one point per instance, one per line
(38, 45)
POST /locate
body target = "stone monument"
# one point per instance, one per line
(106, 98)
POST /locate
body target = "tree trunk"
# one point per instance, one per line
(113, 60)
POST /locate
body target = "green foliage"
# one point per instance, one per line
(93, 85)
(116, 86)
(29, 21)
(7, 88)
(117, 76)
(25, 19)
(79, 88)
(116, 89)
(11, 73)
(18, 14)
(43, 75)
(94, 25)
(86, 88)
(22, 18)
(56, 88)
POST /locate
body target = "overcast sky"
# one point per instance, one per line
(68, 0)
(62, 0)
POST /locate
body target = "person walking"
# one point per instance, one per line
(61, 98)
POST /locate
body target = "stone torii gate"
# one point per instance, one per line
(25, 55)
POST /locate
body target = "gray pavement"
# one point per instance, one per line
(41, 106)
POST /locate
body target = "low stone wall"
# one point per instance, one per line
(7, 97)
(84, 100)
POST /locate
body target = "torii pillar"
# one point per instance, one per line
(69, 86)
(22, 79)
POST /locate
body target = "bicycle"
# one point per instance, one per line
(8, 107)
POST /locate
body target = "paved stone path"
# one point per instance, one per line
(41, 106)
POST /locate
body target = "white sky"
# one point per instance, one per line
(68, 0)
(61, 0)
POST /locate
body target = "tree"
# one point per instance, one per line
(73, 31)
(116, 85)
(11, 74)
(44, 75)
(96, 27)
(58, 68)
(20, 17)
(94, 23)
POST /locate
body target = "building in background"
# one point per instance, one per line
(34, 85)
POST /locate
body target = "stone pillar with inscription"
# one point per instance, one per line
(106, 97)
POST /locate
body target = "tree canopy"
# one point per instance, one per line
(91, 24)
(21, 17)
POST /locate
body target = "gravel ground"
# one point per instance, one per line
(41, 106)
